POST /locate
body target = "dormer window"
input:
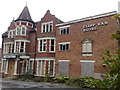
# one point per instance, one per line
(47, 27)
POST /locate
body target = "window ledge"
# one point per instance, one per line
(65, 51)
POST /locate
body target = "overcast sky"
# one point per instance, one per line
(66, 10)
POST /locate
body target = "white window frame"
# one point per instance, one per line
(46, 23)
(42, 45)
(23, 47)
(25, 41)
(46, 59)
(50, 45)
(46, 38)
(22, 30)
(6, 47)
(12, 33)
(64, 27)
(16, 31)
(64, 43)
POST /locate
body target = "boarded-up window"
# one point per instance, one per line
(64, 67)
(87, 47)
(87, 68)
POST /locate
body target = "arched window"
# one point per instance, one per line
(87, 47)
(17, 30)
(23, 30)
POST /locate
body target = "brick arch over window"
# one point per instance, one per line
(87, 47)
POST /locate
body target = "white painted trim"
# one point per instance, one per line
(50, 46)
(44, 67)
(4, 59)
(44, 58)
(64, 43)
(64, 26)
(24, 47)
(46, 38)
(31, 59)
(12, 35)
(8, 43)
(89, 18)
(42, 45)
(26, 65)
(45, 26)
(86, 54)
(54, 68)
(23, 26)
(26, 57)
(6, 68)
(49, 66)
(63, 60)
(92, 61)
(15, 68)
(22, 40)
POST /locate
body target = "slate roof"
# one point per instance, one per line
(12, 26)
(25, 15)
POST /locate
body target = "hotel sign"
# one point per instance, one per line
(93, 27)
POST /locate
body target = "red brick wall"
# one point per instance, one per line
(48, 17)
(102, 39)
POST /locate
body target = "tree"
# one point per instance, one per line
(113, 60)
(113, 64)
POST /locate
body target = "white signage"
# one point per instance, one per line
(9, 56)
(92, 27)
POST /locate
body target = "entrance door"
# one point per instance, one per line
(11, 68)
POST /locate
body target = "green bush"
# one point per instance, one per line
(61, 79)
(47, 77)
(84, 82)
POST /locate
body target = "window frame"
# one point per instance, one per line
(51, 46)
(22, 47)
(42, 43)
(44, 30)
(17, 32)
(64, 44)
(11, 33)
(22, 30)
(64, 30)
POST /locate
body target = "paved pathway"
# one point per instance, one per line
(7, 83)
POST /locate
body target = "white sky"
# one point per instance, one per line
(66, 10)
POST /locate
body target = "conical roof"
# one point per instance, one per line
(25, 15)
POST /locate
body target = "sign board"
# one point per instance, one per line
(93, 27)
(9, 56)
(25, 57)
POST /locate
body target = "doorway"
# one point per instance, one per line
(11, 67)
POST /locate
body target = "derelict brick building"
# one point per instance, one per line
(51, 46)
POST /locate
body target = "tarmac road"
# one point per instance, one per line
(7, 83)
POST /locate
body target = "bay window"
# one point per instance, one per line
(46, 44)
